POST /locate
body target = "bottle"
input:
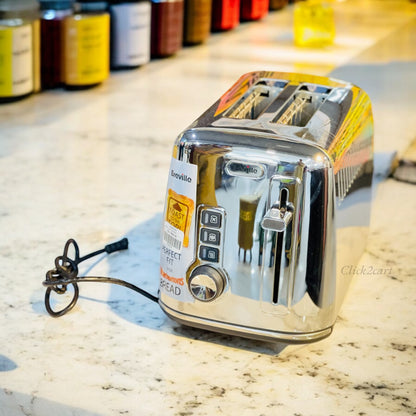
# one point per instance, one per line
(278, 4)
(253, 9)
(314, 24)
(53, 14)
(225, 14)
(197, 21)
(130, 33)
(167, 27)
(87, 45)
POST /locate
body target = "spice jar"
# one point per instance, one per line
(87, 45)
(197, 21)
(225, 14)
(167, 27)
(53, 14)
(130, 33)
(253, 9)
(278, 4)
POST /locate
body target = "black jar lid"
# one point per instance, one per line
(56, 4)
(128, 1)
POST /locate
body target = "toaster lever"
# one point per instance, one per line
(278, 217)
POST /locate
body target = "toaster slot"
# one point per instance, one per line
(256, 100)
(302, 105)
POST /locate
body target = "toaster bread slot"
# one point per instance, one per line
(256, 100)
(302, 105)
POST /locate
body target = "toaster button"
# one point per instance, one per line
(206, 283)
(210, 236)
(210, 254)
(211, 218)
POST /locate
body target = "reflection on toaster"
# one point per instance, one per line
(269, 195)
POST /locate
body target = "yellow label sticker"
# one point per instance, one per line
(179, 213)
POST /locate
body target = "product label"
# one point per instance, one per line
(16, 77)
(178, 240)
(130, 34)
(87, 49)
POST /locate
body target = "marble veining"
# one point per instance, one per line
(93, 165)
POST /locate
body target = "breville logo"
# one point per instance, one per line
(239, 167)
(180, 176)
(235, 168)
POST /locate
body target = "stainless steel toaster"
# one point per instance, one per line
(268, 199)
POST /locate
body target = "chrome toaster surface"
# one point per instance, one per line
(268, 200)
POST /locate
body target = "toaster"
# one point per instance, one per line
(268, 200)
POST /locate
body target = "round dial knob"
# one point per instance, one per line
(206, 283)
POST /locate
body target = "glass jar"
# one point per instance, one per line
(167, 27)
(53, 14)
(130, 33)
(225, 14)
(87, 45)
(197, 21)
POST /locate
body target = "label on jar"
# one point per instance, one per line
(178, 233)
(16, 76)
(87, 43)
(130, 32)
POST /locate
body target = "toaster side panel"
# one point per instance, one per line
(353, 168)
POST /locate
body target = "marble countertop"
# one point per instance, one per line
(93, 165)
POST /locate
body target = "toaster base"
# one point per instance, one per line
(245, 331)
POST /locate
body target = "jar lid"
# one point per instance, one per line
(18, 5)
(56, 4)
(128, 1)
(92, 5)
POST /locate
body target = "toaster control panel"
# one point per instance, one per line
(207, 281)
(210, 235)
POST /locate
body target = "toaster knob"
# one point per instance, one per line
(206, 283)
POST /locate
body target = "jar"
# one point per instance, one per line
(278, 4)
(314, 24)
(130, 33)
(15, 80)
(53, 14)
(87, 45)
(225, 14)
(197, 21)
(167, 27)
(16, 59)
(253, 9)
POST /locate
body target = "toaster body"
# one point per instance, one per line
(268, 201)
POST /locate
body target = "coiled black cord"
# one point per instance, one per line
(66, 273)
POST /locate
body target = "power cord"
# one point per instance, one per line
(66, 273)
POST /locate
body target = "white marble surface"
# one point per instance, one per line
(92, 165)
